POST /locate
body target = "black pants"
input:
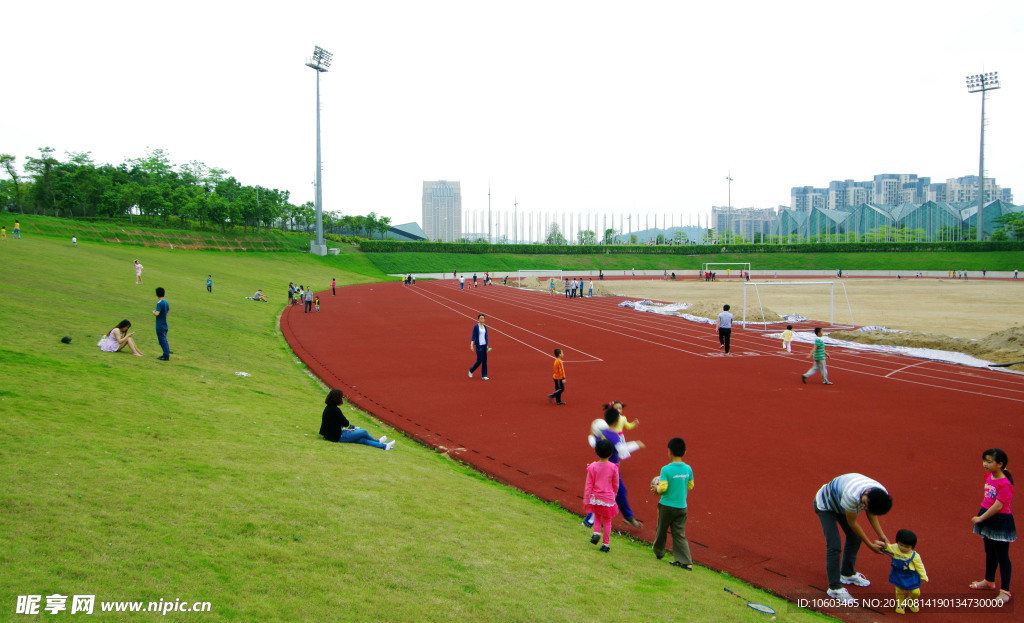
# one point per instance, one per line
(559, 388)
(723, 337)
(997, 555)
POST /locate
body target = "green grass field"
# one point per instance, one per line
(499, 264)
(133, 479)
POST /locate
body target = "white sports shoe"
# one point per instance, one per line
(842, 595)
(391, 446)
(857, 579)
(383, 439)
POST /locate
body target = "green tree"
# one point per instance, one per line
(7, 161)
(609, 236)
(1012, 225)
(586, 237)
(554, 234)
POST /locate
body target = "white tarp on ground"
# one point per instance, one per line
(807, 337)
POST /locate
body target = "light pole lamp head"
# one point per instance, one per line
(983, 82)
(321, 59)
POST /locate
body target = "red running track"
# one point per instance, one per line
(760, 442)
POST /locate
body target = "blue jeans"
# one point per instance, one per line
(359, 435)
(481, 360)
(161, 336)
(831, 523)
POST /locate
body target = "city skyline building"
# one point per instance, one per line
(894, 189)
(442, 210)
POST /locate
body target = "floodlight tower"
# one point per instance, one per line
(320, 62)
(982, 83)
(732, 234)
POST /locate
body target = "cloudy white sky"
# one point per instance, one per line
(572, 106)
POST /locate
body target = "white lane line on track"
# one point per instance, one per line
(645, 321)
(593, 358)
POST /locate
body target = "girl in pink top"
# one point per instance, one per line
(138, 272)
(994, 522)
(599, 492)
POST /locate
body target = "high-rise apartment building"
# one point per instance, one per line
(894, 189)
(442, 210)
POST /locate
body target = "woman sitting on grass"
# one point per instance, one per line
(335, 426)
(117, 339)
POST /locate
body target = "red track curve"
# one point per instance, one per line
(760, 442)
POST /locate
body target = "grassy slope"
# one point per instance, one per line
(134, 479)
(498, 264)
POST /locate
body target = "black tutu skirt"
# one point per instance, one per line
(998, 527)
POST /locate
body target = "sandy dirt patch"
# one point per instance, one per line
(984, 319)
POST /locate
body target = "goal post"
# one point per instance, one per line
(821, 299)
(522, 275)
(715, 267)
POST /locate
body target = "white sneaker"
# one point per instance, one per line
(383, 439)
(470, 375)
(857, 579)
(843, 596)
(487, 378)
(390, 446)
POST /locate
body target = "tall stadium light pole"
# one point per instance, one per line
(982, 83)
(732, 234)
(320, 62)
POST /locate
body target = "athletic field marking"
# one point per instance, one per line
(684, 328)
(594, 358)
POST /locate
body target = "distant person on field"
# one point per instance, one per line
(258, 296)
(334, 426)
(308, 300)
(462, 282)
(3, 233)
(838, 504)
(209, 283)
(480, 343)
(334, 283)
(291, 293)
(552, 284)
(819, 355)
(673, 485)
(787, 339)
(161, 311)
(138, 272)
(74, 241)
(117, 338)
(590, 291)
(724, 325)
(316, 303)
(17, 230)
(600, 491)
(559, 376)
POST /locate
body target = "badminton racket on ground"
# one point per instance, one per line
(759, 607)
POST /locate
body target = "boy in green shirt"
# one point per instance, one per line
(672, 485)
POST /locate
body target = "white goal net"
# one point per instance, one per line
(769, 306)
(726, 269)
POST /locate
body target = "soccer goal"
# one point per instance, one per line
(811, 299)
(736, 268)
(522, 275)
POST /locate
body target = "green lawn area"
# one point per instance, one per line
(133, 479)
(500, 264)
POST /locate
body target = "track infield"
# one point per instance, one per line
(760, 442)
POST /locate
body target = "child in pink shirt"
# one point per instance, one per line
(599, 492)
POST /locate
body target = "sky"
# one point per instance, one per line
(557, 106)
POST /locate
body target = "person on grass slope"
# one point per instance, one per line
(334, 426)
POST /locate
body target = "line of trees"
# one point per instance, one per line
(154, 188)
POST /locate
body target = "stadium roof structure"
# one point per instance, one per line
(406, 231)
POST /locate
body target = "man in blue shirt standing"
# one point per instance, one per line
(162, 307)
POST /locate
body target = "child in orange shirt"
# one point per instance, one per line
(559, 376)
